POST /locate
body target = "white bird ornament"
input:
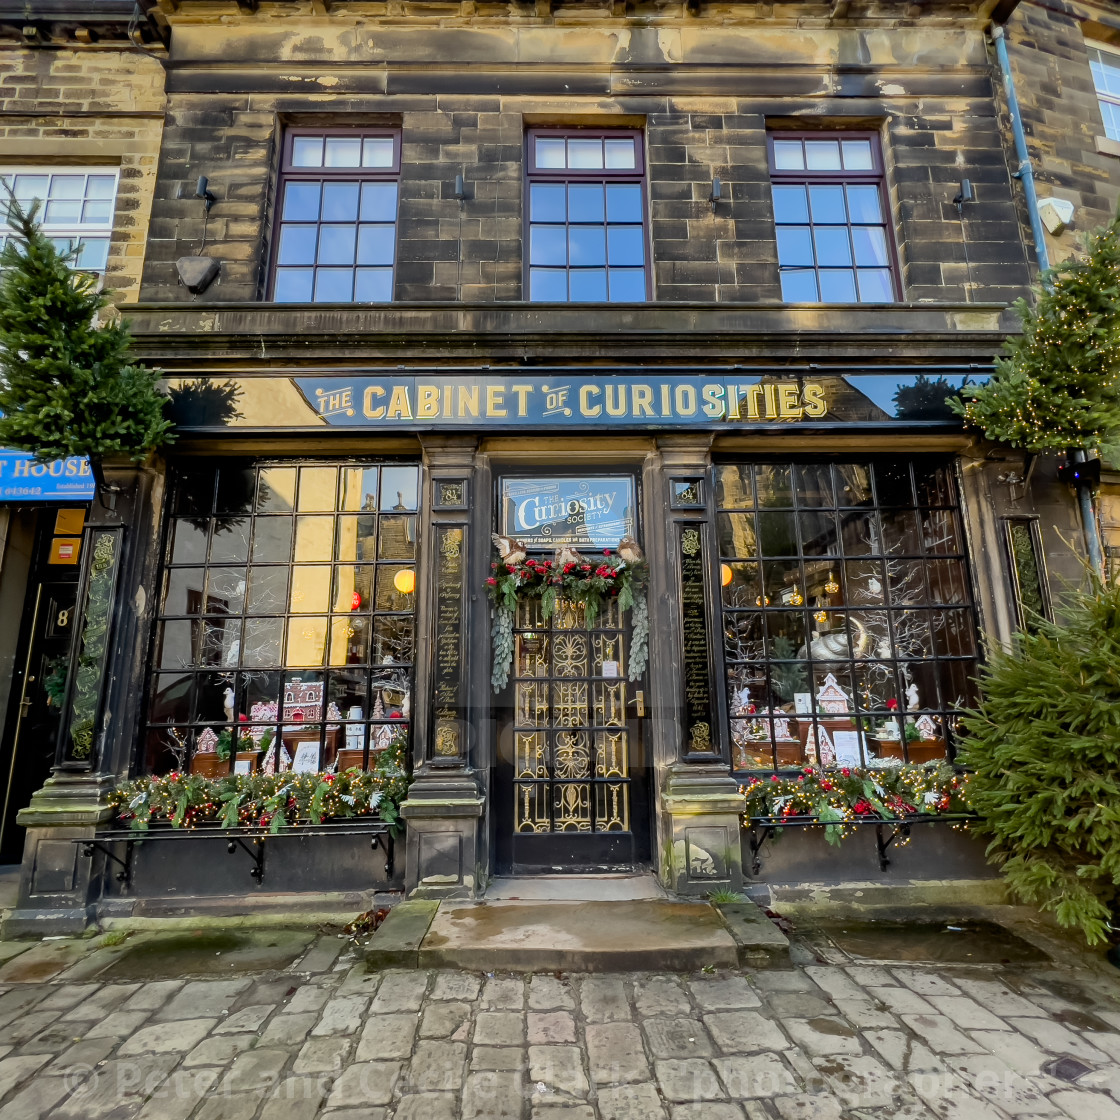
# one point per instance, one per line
(565, 554)
(630, 551)
(511, 550)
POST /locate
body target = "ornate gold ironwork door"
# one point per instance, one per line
(572, 739)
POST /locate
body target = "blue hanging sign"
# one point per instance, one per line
(24, 479)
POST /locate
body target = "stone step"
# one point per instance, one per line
(546, 936)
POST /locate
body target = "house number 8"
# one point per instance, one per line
(64, 619)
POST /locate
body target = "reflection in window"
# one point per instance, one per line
(849, 633)
(1028, 578)
(586, 207)
(831, 220)
(285, 635)
(1105, 65)
(336, 237)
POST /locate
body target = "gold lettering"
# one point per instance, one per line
(448, 401)
(367, 402)
(789, 406)
(586, 408)
(399, 407)
(771, 403)
(522, 392)
(468, 401)
(815, 404)
(753, 393)
(427, 402)
(495, 400)
(642, 398)
(616, 400)
(23, 468)
(713, 397)
(686, 400)
(666, 406)
(733, 402)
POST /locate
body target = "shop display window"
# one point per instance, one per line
(848, 619)
(336, 234)
(835, 244)
(285, 632)
(586, 208)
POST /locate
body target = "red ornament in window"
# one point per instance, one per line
(356, 601)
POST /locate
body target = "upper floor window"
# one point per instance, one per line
(830, 212)
(586, 206)
(337, 232)
(1105, 65)
(76, 208)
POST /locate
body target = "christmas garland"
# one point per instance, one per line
(591, 584)
(269, 802)
(838, 798)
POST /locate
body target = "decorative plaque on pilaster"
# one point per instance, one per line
(448, 678)
(696, 654)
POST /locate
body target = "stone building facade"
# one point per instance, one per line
(700, 277)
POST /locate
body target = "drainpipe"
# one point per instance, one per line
(1025, 175)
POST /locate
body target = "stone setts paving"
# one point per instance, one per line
(324, 1038)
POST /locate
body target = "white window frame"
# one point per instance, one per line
(66, 234)
(1106, 54)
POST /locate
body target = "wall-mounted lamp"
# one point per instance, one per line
(460, 191)
(201, 191)
(964, 194)
(717, 192)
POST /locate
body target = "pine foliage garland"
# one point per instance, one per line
(1044, 747)
(1057, 386)
(66, 385)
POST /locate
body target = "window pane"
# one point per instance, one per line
(619, 153)
(336, 244)
(340, 202)
(799, 286)
(373, 285)
(400, 488)
(343, 151)
(790, 204)
(272, 539)
(297, 245)
(833, 247)
(788, 155)
(870, 245)
(301, 202)
(875, 285)
(586, 246)
(93, 254)
(828, 204)
(838, 286)
(311, 588)
(101, 186)
(795, 246)
(397, 539)
(550, 152)
(379, 202)
(547, 202)
(28, 187)
(268, 586)
(589, 286)
(376, 244)
(863, 204)
(857, 155)
(97, 212)
(585, 154)
(627, 285)
(68, 186)
(549, 285)
(548, 245)
(334, 285)
(359, 488)
(307, 151)
(65, 212)
(585, 202)
(317, 489)
(377, 151)
(625, 245)
(624, 202)
(294, 285)
(822, 155)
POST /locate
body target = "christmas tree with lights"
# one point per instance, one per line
(1057, 385)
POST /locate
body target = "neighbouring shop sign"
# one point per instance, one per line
(24, 479)
(548, 512)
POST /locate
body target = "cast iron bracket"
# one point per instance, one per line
(375, 843)
(257, 870)
(881, 844)
(125, 873)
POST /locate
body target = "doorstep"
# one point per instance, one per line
(658, 935)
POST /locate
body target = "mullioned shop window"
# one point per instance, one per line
(76, 208)
(849, 626)
(830, 215)
(285, 634)
(586, 211)
(336, 233)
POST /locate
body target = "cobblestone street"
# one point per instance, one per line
(324, 1038)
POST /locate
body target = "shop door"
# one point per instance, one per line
(572, 778)
(37, 693)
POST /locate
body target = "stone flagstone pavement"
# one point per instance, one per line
(323, 1038)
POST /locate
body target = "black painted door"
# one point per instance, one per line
(572, 777)
(37, 694)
